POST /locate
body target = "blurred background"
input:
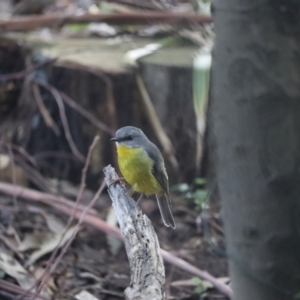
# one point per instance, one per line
(71, 70)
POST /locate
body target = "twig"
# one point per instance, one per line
(76, 107)
(23, 73)
(16, 289)
(141, 242)
(30, 194)
(25, 164)
(35, 176)
(43, 110)
(21, 150)
(86, 114)
(56, 95)
(13, 174)
(31, 22)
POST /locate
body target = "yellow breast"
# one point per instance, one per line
(135, 165)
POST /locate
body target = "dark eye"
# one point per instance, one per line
(129, 137)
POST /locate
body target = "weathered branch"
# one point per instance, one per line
(142, 246)
(31, 22)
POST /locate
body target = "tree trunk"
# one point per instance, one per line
(255, 114)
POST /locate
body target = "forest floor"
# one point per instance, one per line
(95, 263)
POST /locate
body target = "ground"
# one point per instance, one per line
(89, 263)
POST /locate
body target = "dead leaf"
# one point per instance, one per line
(14, 269)
(38, 273)
(53, 223)
(114, 243)
(47, 242)
(191, 282)
(85, 295)
(4, 161)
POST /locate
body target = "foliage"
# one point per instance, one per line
(195, 192)
(201, 286)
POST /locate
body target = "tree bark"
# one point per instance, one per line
(255, 118)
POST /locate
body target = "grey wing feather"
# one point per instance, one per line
(158, 168)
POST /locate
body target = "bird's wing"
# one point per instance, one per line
(158, 168)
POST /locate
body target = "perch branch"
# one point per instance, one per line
(31, 22)
(141, 243)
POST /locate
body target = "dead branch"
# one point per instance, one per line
(33, 195)
(141, 243)
(31, 22)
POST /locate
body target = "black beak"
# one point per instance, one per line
(114, 139)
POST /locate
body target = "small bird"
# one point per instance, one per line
(142, 166)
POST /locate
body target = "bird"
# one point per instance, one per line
(142, 166)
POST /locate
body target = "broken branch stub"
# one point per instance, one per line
(141, 243)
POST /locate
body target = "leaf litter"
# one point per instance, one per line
(92, 266)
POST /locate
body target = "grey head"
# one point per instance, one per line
(131, 137)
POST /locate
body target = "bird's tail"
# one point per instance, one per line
(165, 211)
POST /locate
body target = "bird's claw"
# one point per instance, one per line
(119, 180)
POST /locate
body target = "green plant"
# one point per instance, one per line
(201, 286)
(195, 192)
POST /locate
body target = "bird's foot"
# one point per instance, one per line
(137, 202)
(119, 180)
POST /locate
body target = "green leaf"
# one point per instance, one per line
(201, 286)
(200, 181)
(182, 187)
(201, 80)
(297, 296)
(197, 280)
(200, 194)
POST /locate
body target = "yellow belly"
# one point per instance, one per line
(135, 165)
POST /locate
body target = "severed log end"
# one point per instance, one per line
(141, 243)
